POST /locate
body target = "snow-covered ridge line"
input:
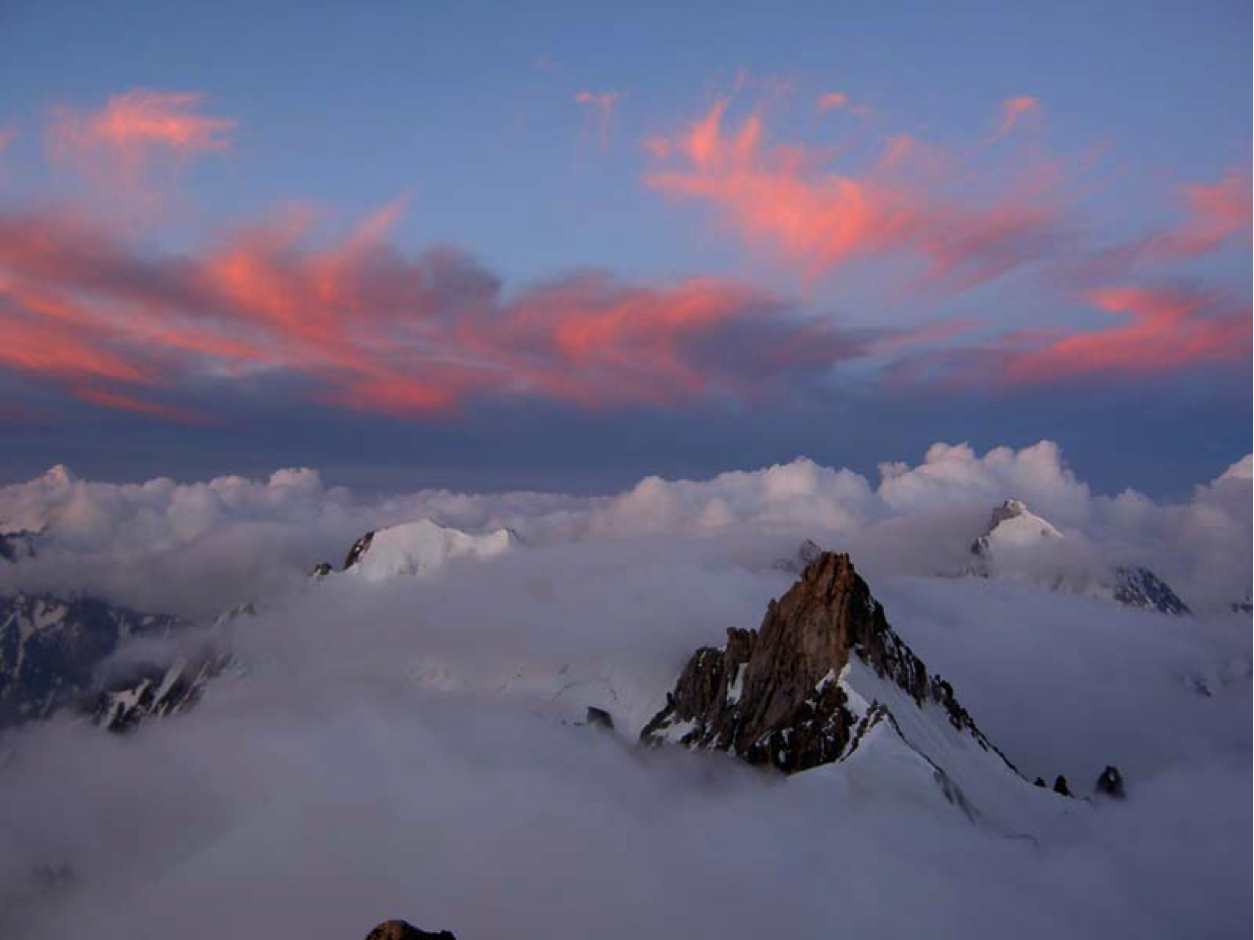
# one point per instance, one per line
(1019, 543)
(414, 549)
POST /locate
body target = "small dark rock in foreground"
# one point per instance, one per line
(400, 930)
(1110, 784)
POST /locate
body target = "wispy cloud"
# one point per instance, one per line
(135, 135)
(783, 195)
(1013, 112)
(831, 101)
(600, 107)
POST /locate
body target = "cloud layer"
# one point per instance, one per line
(396, 749)
(258, 535)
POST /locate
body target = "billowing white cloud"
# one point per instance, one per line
(195, 548)
(398, 749)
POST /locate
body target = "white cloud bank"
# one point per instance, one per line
(196, 548)
(396, 750)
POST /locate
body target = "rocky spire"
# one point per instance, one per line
(774, 696)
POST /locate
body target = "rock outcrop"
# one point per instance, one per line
(774, 696)
(50, 647)
(401, 930)
(1110, 784)
(154, 691)
(1243, 606)
(1140, 587)
(14, 546)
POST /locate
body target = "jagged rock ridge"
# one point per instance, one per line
(155, 691)
(776, 696)
(51, 645)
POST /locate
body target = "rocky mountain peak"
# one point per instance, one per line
(777, 695)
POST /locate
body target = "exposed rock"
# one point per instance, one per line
(1110, 784)
(154, 691)
(400, 930)
(355, 553)
(321, 569)
(1140, 587)
(774, 696)
(51, 645)
(600, 718)
(1244, 606)
(1039, 782)
(1060, 786)
(14, 546)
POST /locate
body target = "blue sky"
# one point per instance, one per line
(1076, 266)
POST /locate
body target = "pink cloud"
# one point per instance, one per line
(365, 326)
(601, 106)
(831, 101)
(1160, 330)
(1013, 111)
(783, 196)
(1216, 213)
(134, 135)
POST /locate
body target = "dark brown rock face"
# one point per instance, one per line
(772, 696)
(400, 930)
(358, 549)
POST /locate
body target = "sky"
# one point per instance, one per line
(427, 244)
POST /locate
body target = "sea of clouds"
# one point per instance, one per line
(383, 755)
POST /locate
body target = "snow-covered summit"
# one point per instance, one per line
(1019, 542)
(1013, 525)
(418, 548)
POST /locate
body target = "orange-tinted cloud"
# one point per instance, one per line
(134, 135)
(1014, 110)
(784, 196)
(1216, 213)
(831, 101)
(601, 107)
(1161, 330)
(362, 325)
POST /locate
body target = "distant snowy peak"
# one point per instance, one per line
(806, 552)
(418, 548)
(1013, 525)
(1014, 530)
